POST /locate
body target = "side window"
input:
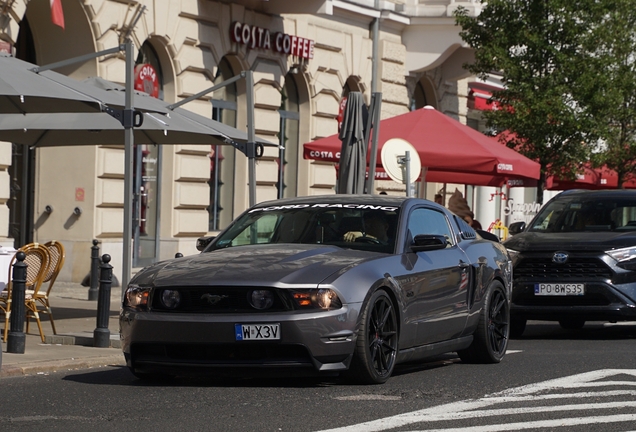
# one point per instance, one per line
(429, 221)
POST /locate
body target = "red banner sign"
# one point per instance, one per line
(146, 79)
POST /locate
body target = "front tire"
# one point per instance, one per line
(377, 344)
(490, 339)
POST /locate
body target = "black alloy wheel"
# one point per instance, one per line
(490, 339)
(377, 344)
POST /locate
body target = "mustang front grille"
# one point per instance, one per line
(218, 300)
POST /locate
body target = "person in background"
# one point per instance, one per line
(458, 205)
(439, 199)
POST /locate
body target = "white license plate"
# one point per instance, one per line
(559, 289)
(257, 331)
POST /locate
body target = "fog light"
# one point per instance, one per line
(261, 299)
(170, 298)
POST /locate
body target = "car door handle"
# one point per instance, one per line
(463, 265)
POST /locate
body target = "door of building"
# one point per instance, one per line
(146, 204)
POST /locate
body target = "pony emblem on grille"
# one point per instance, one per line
(213, 298)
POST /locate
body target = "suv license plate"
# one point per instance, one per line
(257, 331)
(559, 289)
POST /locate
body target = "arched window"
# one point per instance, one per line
(419, 97)
(424, 94)
(222, 157)
(289, 139)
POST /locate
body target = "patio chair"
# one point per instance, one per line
(41, 298)
(37, 260)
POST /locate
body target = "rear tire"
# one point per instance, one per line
(377, 344)
(490, 339)
(572, 323)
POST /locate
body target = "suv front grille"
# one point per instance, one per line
(575, 267)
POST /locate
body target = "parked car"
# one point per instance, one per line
(322, 284)
(576, 260)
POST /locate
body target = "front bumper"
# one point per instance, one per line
(181, 343)
(602, 301)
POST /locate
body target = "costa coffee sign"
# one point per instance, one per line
(257, 37)
(146, 79)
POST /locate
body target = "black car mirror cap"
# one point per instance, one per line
(203, 242)
(516, 227)
(428, 242)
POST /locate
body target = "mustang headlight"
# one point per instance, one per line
(170, 298)
(136, 297)
(323, 298)
(625, 257)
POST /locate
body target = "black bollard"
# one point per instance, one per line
(16, 338)
(101, 335)
(92, 290)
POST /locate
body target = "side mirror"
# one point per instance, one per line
(203, 242)
(516, 227)
(428, 242)
(487, 235)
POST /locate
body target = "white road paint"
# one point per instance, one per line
(564, 422)
(475, 408)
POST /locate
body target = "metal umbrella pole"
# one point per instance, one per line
(129, 142)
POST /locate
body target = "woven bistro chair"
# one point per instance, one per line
(37, 261)
(41, 297)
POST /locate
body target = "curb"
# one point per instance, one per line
(54, 366)
(83, 339)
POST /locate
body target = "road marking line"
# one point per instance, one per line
(514, 394)
(527, 410)
(540, 424)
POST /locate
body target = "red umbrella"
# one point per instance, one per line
(443, 144)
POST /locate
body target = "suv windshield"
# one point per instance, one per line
(586, 213)
(355, 226)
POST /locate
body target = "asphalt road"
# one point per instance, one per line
(551, 379)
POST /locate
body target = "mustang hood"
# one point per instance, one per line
(590, 241)
(254, 265)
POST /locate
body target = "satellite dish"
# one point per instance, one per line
(393, 153)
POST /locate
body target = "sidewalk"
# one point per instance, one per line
(72, 348)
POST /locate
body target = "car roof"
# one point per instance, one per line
(341, 199)
(607, 193)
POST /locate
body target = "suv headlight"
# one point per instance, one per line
(625, 257)
(513, 255)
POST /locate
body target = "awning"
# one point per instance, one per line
(443, 144)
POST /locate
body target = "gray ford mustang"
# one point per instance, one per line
(322, 285)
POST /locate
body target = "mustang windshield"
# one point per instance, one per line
(577, 214)
(356, 226)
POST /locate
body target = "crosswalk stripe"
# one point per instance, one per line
(562, 422)
(527, 392)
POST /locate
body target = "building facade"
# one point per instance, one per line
(305, 56)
